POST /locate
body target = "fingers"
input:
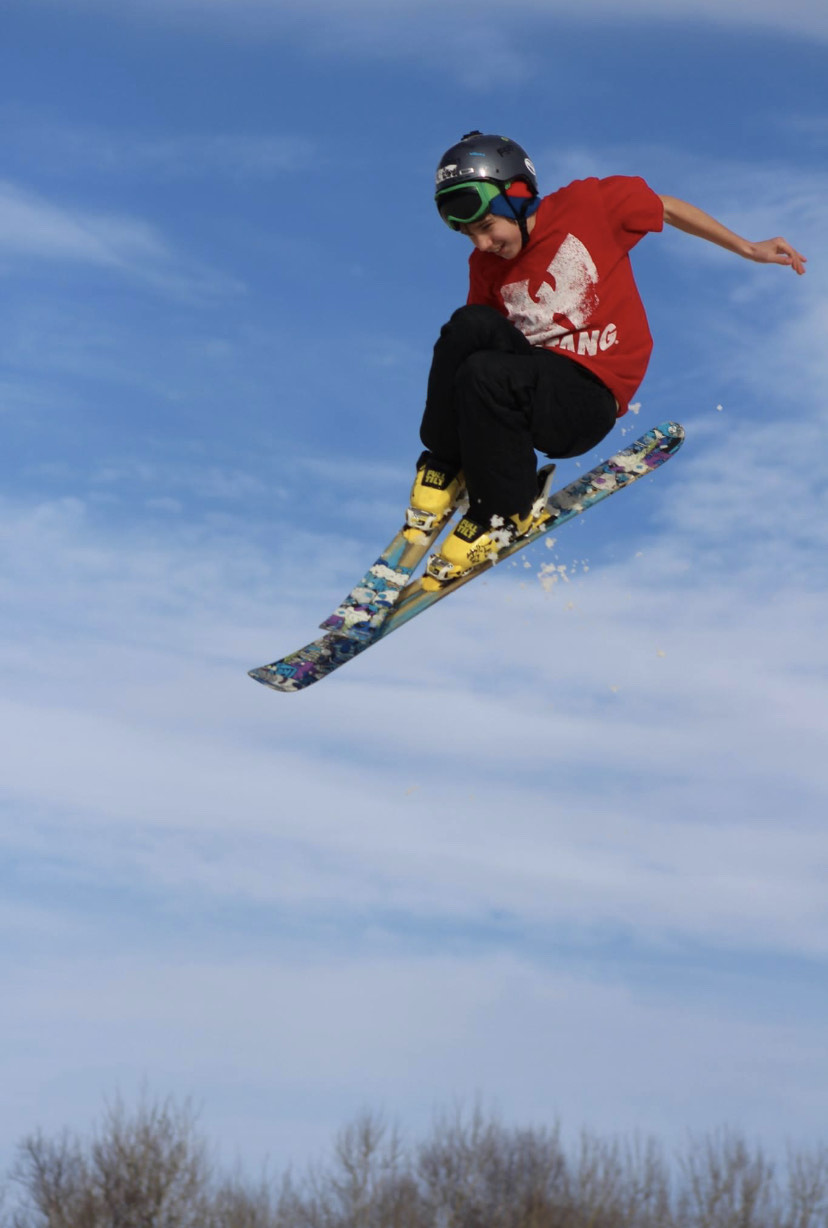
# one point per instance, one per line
(780, 251)
(796, 260)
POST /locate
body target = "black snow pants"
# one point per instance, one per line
(493, 399)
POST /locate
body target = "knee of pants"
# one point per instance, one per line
(478, 376)
(489, 381)
(478, 327)
(474, 315)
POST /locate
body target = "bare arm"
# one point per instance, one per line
(695, 221)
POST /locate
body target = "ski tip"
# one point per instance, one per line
(673, 429)
(269, 677)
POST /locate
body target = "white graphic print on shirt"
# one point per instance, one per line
(563, 307)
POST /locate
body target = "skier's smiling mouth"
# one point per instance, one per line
(496, 236)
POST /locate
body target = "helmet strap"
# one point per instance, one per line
(520, 214)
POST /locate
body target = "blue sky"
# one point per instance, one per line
(560, 849)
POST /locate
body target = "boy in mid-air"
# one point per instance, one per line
(552, 343)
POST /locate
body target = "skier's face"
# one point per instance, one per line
(499, 236)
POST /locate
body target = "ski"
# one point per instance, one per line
(322, 656)
(370, 600)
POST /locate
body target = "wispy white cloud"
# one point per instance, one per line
(57, 145)
(211, 482)
(33, 228)
(371, 26)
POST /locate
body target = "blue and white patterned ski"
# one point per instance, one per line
(322, 656)
(370, 601)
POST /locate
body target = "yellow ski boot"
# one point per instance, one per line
(471, 544)
(436, 492)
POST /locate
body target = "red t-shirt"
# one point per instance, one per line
(572, 286)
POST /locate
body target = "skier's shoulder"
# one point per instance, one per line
(597, 188)
(624, 201)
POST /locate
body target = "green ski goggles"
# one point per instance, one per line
(467, 202)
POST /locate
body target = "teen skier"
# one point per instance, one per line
(553, 340)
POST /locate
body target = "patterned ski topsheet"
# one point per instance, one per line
(367, 605)
(322, 656)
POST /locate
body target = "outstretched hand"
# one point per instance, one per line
(694, 221)
(778, 251)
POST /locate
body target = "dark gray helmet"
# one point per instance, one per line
(486, 174)
(488, 158)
